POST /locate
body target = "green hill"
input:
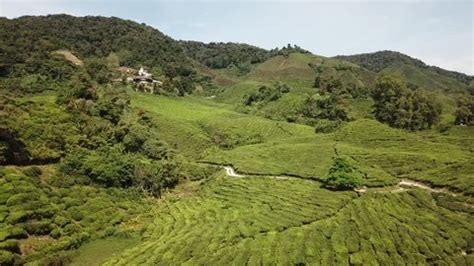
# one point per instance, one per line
(135, 44)
(328, 161)
(413, 70)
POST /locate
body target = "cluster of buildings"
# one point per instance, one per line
(144, 81)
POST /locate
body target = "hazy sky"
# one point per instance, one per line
(437, 32)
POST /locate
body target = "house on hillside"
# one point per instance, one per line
(144, 81)
(143, 76)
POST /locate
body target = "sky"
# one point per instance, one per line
(437, 32)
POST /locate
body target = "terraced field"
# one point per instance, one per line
(208, 131)
(266, 221)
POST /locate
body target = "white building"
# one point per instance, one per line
(143, 73)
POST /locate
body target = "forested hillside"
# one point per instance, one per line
(234, 55)
(221, 55)
(226, 153)
(410, 68)
(25, 39)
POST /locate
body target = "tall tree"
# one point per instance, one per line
(465, 111)
(401, 107)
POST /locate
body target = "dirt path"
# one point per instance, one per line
(402, 186)
(231, 172)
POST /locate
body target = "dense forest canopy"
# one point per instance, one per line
(222, 55)
(136, 44)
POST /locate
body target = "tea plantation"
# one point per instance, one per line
(261, 220)
(226, 153)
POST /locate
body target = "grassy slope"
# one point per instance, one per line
(423, 77)
(191, 124)
(254, 220)
(411, 69)
(258, 221)
(295, 71)
(271, 147)
(264, 221)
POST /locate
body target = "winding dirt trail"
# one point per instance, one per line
(402, 186)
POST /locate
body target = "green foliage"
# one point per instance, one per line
(112, 104)
(268, 221)
(6, 257)
(98, 70)
(109, 166)
(35, 217)
(34, 83)
(287, 50)
(326, 126)
(266, 94)
(222, 55)
(36, 131)
(335, 86)
(465, 111)
(155, 149)
(342, 175)
(80, 86)
(113, 148)
(135, 44)
(332, 108)
(32, 171)
(400, 107)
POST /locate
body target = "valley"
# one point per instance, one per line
(226, 153)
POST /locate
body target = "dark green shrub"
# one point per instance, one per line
(343, 176)
(72, 164)
(326, 126)
(110, 167)
(69, 229)
(12, 232)
(76, 213)
(6, 257)
(17, 216)
(60, 220)
(10, 245)
(333, 107)
(42, 227)
(155, 149)
(265, 94)
(55, 233)
(21, 198)
(109, 231)
(46, 212)
(465, 111)
(32, 171)
(70, 202)
(135, 138)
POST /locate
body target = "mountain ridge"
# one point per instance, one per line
(379, 60)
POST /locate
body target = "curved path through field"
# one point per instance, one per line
(400, 187)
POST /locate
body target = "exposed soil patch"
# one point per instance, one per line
(70, 57)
